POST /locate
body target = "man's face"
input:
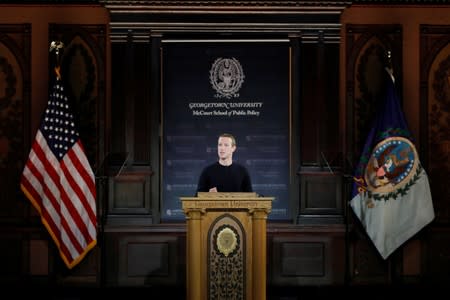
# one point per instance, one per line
(225, 148)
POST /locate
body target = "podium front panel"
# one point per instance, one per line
(226, 251)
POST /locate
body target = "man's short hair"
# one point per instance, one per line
(229, 135)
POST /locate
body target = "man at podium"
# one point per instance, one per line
(226, 232)
(225, 175)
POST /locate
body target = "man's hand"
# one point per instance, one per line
(214, 190)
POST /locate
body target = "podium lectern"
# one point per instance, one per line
(226, 245)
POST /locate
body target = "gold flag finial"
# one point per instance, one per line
(57, 46)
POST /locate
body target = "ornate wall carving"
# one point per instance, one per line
(15, 53)
(435, 119)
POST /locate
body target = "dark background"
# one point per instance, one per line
(190, 141)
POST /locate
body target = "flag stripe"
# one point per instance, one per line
(46, 194)
(86, 191)
(71, 209)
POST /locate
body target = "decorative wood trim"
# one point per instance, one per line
(363, 41)
(434, 99)
(15, 112)
(145, 18)
(264, 4)
(293, 4)
(215, 5)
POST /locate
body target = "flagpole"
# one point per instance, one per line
(348, 180)
(56, 47)
(397, 256)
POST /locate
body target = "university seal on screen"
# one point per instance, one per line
(226, 77)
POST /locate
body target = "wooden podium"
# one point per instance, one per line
(226, 245)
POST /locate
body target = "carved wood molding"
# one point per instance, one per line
(15, 99)
(435, 103)
(222, 5)
(365, 50)
(15, 71)
(162, 18)
(264, 4)
(231, 3)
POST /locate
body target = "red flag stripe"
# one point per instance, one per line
(43, 182)
(70, 233)
(47, 164)
(77, 165)
(79, 203)
(71, 209)
(82, 165)
(34, 191)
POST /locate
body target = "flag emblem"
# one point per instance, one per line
(392, 166)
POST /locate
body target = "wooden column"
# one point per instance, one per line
(259, 253)
(194, 261)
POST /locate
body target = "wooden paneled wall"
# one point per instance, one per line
(113, 62)
(419, 41)
(26, 70)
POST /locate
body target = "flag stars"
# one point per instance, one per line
(58, 125)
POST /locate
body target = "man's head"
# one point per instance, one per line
(226, 145)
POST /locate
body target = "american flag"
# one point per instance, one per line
(60, 183)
